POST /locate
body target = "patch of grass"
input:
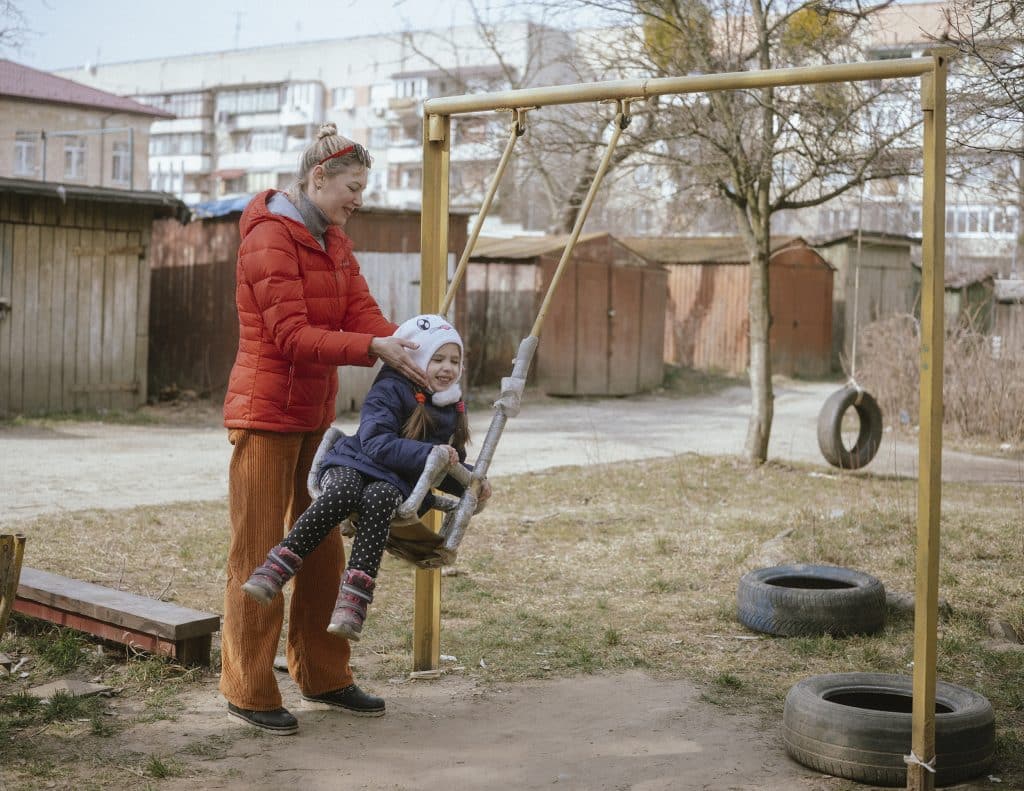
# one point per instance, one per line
(61, 649)
(161, 769)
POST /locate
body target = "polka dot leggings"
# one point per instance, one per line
(346, 491)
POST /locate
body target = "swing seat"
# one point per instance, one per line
(409, 538)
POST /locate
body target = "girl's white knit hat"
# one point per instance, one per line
(431, 332)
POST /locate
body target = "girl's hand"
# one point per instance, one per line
(392, 350)
(485, 491)
(453, 455)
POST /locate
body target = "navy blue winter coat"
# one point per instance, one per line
(378, 449)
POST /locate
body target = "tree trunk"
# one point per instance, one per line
(762, 399)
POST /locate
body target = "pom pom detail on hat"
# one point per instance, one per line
(432, 331)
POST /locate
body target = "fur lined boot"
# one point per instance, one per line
(266, 581)
(353, 599)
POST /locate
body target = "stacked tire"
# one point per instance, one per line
(858, 726)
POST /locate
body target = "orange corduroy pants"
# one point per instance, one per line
(266, 494)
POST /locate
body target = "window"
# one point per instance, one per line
(250, 100)
(121, 162)
(74, 158)
(344, 98)
(379, 136)
(25, 148)
(183, 105)
(186, 143)
(257, 182)
(266, 140)
(405, 177)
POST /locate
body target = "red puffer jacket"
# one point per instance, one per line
(302, 312)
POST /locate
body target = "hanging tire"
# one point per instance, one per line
(857, 726)
(830, 422)
(804, 599)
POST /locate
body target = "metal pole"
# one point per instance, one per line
(645, 88)
(921, 761)
(426, 645)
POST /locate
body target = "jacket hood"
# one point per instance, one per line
(256, 212)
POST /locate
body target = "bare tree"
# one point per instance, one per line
(13, 28)
(768, 150)
(987, 106)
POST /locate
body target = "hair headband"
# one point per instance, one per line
(336, 154)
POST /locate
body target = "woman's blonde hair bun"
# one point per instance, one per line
(326, 130)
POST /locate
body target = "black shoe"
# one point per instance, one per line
(351, 699)
(278, 721)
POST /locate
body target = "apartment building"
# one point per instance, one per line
(55, 129)
(242, 117)
(982, 196)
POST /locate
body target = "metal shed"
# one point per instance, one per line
(74, 295)
(605, 329)
(194, 325)
(707, 314)
(886, 281)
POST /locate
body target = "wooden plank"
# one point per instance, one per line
(556, 352)
(190, 651)
(624, 326)
(129, 610)
(66, 238)
(6, 286)
(108, 310)
(44, 358)
(593, 300)
(87, 334)
(34, 387)
(139, 332)
(145, 307)
(652, 329)
(127, 291)
(117, 343)
(58, 282)
(17, 319)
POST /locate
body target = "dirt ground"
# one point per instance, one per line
(592, 732)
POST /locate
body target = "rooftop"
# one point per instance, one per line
(22, 82)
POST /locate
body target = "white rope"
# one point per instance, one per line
(856, 285)
(913, 760)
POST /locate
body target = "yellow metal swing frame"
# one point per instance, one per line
(435, 297)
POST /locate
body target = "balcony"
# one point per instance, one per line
(202, 125)
(180, 163)
(404, 106)
(257, 160)
(237, 122)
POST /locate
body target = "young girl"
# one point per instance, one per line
(374, 470)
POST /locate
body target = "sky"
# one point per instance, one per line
(71, 33)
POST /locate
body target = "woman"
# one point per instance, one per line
(303, 309)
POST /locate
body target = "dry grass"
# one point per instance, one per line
(981, 391)
(617, 567)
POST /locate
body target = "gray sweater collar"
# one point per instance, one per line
(306, 212)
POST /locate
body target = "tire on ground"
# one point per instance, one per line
(805, 599)
(858, 726)
(830, 422)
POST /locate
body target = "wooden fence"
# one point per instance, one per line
(74, 298)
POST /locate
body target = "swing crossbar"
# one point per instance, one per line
(580, 93)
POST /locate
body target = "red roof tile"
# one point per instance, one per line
(23, 82)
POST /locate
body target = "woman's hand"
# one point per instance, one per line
(485, 491)
(392, 350)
